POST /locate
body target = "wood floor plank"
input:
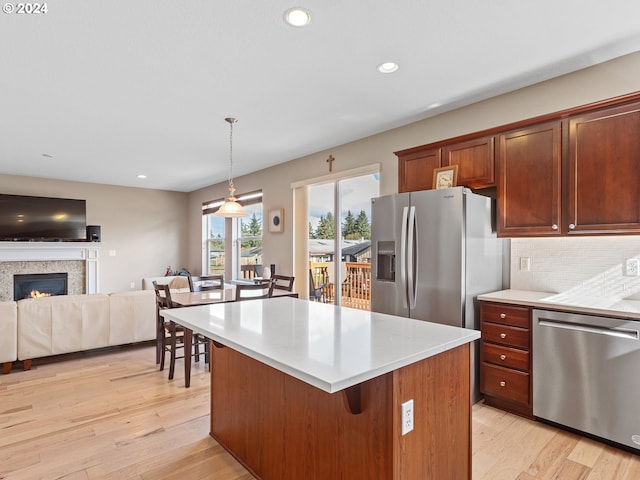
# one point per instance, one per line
(111, 414)
(586, 452)
(609, 466)
(552, 455)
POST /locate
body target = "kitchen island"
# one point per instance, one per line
(308, 390)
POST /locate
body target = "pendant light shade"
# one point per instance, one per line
(231, 208)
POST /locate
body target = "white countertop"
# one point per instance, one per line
(567, 302)
(327, 346)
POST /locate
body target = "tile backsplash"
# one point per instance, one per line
(579, 266)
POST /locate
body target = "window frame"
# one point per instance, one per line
(232, 225)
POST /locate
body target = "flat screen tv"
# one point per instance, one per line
(25, 218)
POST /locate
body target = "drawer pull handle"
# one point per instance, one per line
(503, 357)
(503, 335)
(503, 315)
(503, 383)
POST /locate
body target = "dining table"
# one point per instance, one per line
(207, 297)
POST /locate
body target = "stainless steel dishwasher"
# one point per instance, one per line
(586, 374)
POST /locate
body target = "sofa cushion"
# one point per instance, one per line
(132, 317)
(177, 283)
(8, 331)
(62, 324)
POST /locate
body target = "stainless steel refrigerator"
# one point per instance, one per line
(433, 253)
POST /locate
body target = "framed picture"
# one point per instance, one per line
(445, 177)
(276, 220)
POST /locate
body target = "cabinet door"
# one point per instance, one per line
(604, 171)
(475, 161)
(529, 179)
(415, 169)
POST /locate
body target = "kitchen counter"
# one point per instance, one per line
(567, 302)
(304, 389)
(327, 346)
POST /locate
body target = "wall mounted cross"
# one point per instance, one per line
(330, 161)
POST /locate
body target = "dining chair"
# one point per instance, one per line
(201, 283)
(262, 289)
(281, 282)
(170, 335)
(316, 292)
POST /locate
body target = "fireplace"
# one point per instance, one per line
(39, 285)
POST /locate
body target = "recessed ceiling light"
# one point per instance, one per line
(142, 175)
(46, 155)
(297, 17)
(388, 67)
(434, 105)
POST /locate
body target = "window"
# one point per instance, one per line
(233, 246)
(250, 242)
(215, 240)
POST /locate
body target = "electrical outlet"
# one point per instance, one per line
(132, 285)
(525, 263)
(632, 267)
(406, 417)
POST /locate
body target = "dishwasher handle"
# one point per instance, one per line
(598, 329)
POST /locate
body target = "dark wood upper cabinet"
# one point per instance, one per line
(603, 171)
(415, 168)
(474, 157)
(475, 160)
(529, 169)
(574, 172)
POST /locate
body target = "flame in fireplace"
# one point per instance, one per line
(38, 294)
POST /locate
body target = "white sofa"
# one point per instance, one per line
(8, 334)
(73, 323)
(177, 283)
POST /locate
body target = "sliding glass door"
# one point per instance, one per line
(340, 243)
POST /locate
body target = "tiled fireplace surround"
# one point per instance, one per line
(78, 259)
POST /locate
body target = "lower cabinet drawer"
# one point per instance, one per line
(506, 335)
(505, 356)
(505, 383)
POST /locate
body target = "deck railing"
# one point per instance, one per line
(356, 285)
(356, 288)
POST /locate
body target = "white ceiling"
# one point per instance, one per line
(112, 89)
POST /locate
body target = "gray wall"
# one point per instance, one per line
(617, 77)
(150, 229)
(146, 229)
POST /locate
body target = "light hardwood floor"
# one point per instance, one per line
(112, 415)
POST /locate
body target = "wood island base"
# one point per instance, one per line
(282, 428)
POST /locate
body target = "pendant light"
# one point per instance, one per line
(231, 208)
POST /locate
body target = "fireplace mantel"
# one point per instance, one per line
(49, 251)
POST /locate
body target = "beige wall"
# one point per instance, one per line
(151, 229)
(146, 229)
(610, 79)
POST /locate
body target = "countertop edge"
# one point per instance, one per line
(625, 309)
(469, 336)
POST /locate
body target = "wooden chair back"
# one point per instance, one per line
(163, 295)
(253, 291)
(201, 283)
(282, 282)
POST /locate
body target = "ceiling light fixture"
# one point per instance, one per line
(388, 67)
(231, 208)
(297, 17)
(142, 176)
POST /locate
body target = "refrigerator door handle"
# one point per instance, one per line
(403, 256)
(411, 261)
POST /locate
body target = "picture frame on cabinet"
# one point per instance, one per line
(445, 177)
(276, 220)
